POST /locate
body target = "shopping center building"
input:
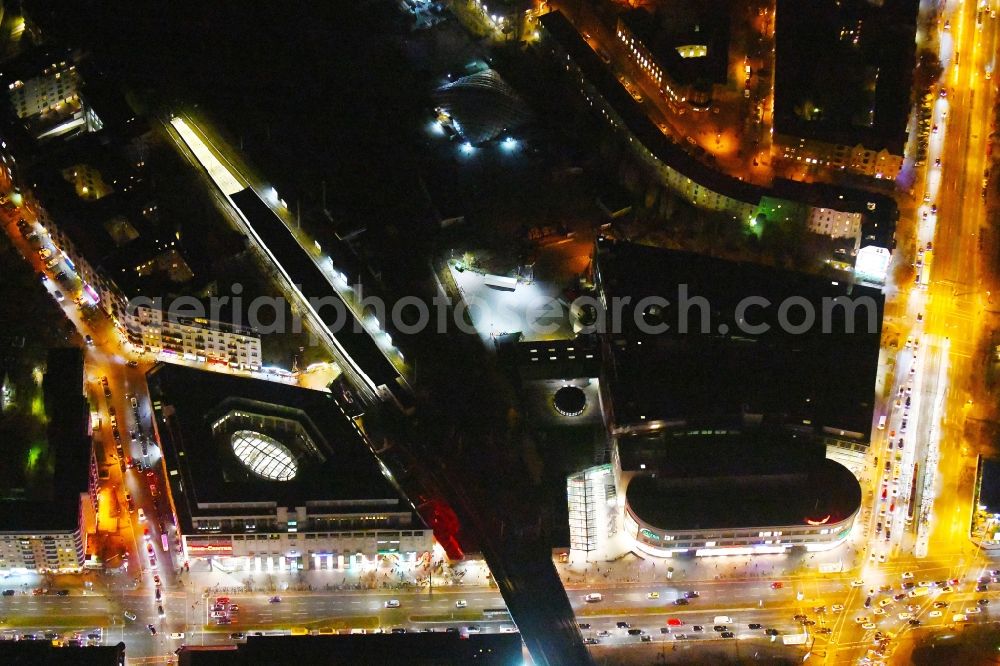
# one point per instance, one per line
(270, 477)
(728, 432)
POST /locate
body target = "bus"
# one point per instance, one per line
(496, 613)
(925, 270)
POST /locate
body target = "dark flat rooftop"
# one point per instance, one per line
(989, 491)
(190, 400)
(714, 452)
(56, 505)
(813, 379)
(829, 489)
(681, 23)
(313, 284)
(851, 59)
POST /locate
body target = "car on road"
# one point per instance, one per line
(697, 627)
(593, 597)
(277, 600)
(857, 583)
(754, 625)
(398, 630)
(590, 640)
(473, 629)
(973, 610)
(958, 617)
(878, 611)
(868, 626)
(461, 603)
(8, 593)
(836, 608)
(635, 632)
(132, 364)
(622, 624)
(719, 627)
(935, 613)
(940, 604)
(159, 611)
(152, 629)
(392, 603)
(904, 616)
(728, 634)
(674, 622)
(179, 635)
(63, 593)
(584, 625)
(861, 619)
(129, 615)
(772, 632)
(913, 622)
(885, 602)
(777, 585)
(824, 630)
(603, 633)
(690, 594)
(236, 636)
(681, 601)
(653, 595)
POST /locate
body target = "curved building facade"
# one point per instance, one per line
(758, 515)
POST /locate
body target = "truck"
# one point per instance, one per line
(925, 270)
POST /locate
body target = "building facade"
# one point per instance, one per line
(192, 338)
(56, 551)
(858, 159)
(57, 86)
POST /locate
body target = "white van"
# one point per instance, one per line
(594, 596)
(881, 422)
(142, 515)
(722, 619)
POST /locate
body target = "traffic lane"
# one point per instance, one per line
(716, 593)
(257, 607)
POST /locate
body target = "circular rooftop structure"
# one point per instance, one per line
(264, 456)
(570, 401)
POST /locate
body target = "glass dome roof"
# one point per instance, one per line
(264, 456)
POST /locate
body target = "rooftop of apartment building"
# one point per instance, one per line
(239, 446)
(105, 204)
(818, 380)
(690, 40)
(41, 483)
(843, 71)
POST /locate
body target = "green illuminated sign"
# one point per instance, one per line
(649, 535)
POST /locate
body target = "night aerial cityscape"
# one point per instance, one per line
(501, 332)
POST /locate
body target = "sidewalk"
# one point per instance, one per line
(387, 574)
